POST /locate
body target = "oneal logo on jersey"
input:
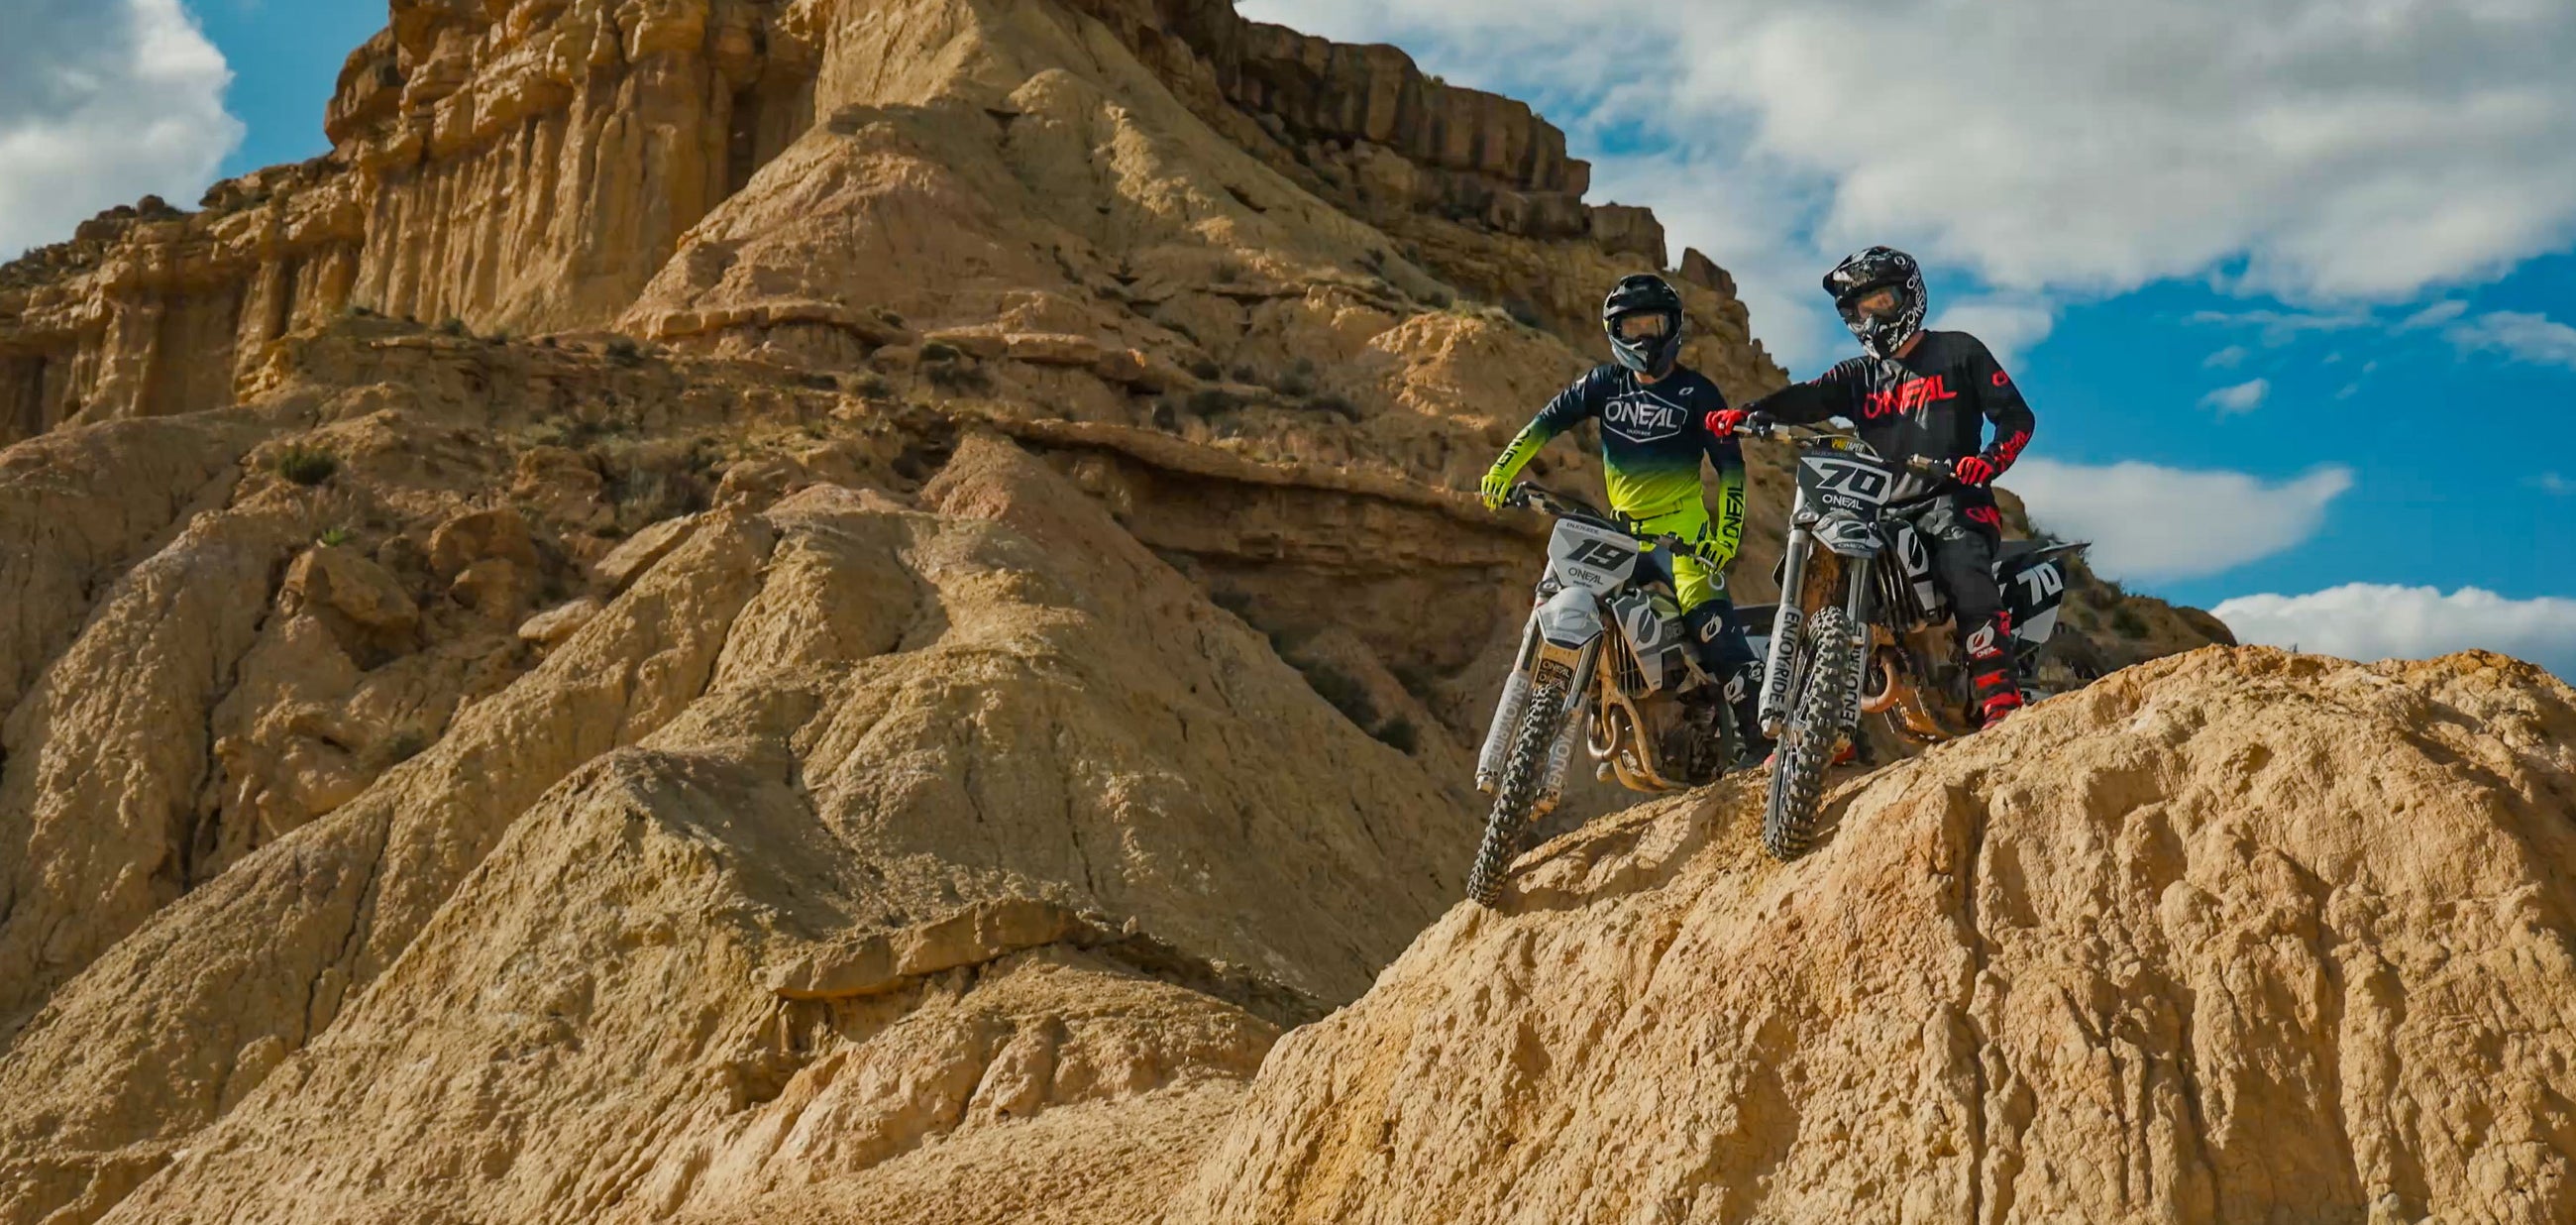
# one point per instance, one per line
(1908, 395)
(1644, 419)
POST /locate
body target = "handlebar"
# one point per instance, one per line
(1527, 496)
(1844, 440)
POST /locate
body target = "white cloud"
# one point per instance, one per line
(2244, 397)
(2009, 324)
(2149, 522)
(101, 103)
(2279, 328)
(1737, 219)
(2317, 149)
(2435, 315)
(2228, 358)
(2368, 621)
(2553, 483)
(2529, 338)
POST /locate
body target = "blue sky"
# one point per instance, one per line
(2289, 282)
(286, 57)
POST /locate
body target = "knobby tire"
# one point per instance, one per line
(1523, 774)
(1806, 746)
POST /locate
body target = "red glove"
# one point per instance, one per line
(1974, 470)
(1723, 422)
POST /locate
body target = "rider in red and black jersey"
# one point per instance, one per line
(1918, 393)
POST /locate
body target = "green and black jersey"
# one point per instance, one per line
(1652, 441)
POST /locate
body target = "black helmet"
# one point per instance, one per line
(1879, 268)
(1644, 296)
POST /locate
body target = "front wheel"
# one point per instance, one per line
(1808, 739)
(1523, 774)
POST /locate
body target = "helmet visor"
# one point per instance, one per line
(1641, 328)
(1875, 302)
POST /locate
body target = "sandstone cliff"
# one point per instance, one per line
(744, 606)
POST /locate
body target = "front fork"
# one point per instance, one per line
(1507, 714)
(1856, 660)
(1514, 710)
(1788, 626)
(1578, 699)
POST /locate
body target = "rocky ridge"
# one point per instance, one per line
(2233, 936)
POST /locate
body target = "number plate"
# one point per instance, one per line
(1846, 483)
(1591, 558)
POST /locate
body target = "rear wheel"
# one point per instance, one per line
(1524, 772)
(1808, 738)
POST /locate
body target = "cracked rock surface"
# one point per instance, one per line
(2235, 936)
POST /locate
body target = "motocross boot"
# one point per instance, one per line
(1994, 682)
(1726, 656)
(1744, 694)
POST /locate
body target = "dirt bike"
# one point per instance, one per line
(1605, 650)
(1861, 628)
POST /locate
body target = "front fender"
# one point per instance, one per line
(1570, 619)
(1849, 537)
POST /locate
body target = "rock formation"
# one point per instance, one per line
(770, 609)
(2237, 936)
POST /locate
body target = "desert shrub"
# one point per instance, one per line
(2128, 623)
(624, 351)
(452, 326)
(1204, 369)
(306, 465)
(1210, 401)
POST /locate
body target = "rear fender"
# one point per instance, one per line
(2033, 592)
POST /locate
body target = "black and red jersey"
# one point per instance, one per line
(1935, 401)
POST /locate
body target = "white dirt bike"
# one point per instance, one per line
(1604, 650)
(1861, 628)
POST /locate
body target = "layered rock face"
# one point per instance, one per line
(759, 610)
(531, 166)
